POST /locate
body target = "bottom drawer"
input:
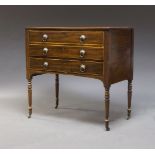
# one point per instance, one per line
(66, 66)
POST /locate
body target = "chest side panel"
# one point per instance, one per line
(119, 55)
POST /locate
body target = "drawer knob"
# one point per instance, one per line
(45, 37)
(82, 53)
(82, 38)
(45, 64)
(82, 68)
(45, 51)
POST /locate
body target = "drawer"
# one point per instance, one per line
(66, 52)
(66, 37)
(66, 66)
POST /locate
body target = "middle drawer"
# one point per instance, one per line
(66, 52)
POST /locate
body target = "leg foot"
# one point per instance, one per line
(107, 102)
(57, 90)
(30, 97)
(30, 113)
(107, 125)
(129, 114)
(129, 99)
(56, 107)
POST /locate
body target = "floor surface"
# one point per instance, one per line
(79, 121)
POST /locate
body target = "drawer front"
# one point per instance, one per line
(75, 37)
(66, 66)
(66, 52)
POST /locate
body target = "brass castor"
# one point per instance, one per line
(107, 125)
(129, 114)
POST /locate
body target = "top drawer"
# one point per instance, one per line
(66, 37)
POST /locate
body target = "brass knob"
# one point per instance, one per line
(82, 68)
(82, 38)
(45, 51)
(45, 64)
(45, 37)
(82, 53)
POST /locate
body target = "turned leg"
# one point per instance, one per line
(129, 98)
(30, 97)
(57, 90)
(107, 101)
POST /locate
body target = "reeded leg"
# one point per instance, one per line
(107, 102)
(30, 97)
(129, 98)
(57, 90)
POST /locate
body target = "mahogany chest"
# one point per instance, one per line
(104, 53)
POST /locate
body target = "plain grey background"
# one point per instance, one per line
(79, 122)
